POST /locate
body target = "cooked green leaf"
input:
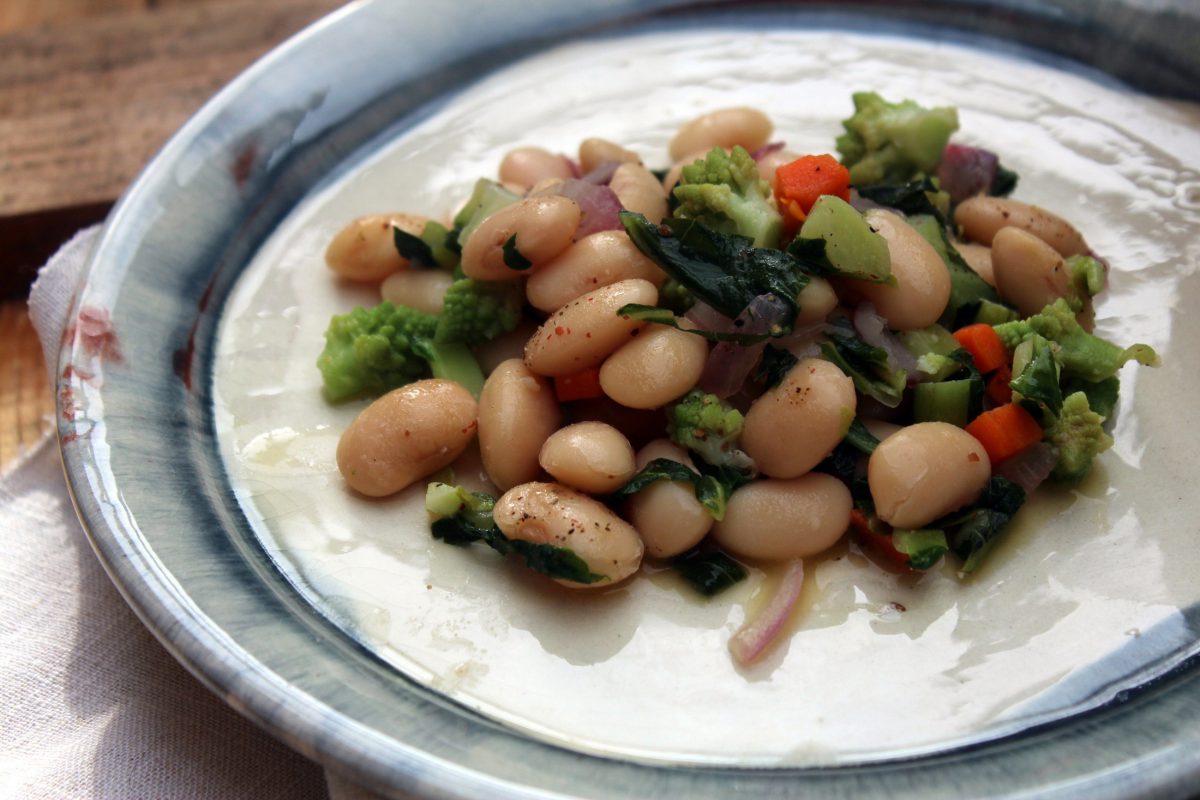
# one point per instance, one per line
(709, 573)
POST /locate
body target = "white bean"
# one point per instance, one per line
(981, 217)
(581, 334)
(407, 434)
(925, 471)
(667, 514)
(526, 166)
(638, 190)
(539, 227)
(781, 519)
(589, 456)
(597, 260)
(517, 413)
(595, 151)
(658, 366)
(922, 281)
(365, 249)
(547, 513)
(725, 128)
(1029, 273)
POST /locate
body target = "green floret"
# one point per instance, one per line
(893, 142)
(475, 312)
(1078, 435)
(1081, 354)
(725, 192)
(710, 428)
(675, 296)
(370, 351)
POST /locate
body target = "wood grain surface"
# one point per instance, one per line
(89, 91)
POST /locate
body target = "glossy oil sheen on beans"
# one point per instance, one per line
(660, 365)
(365, 249)
(405, 435)
(640, 191)
(794, 426)
(925, 471)
(781, 519)
(581, 334)
(549, 513)
(597, 260)
(543, 227)
(589, 456)
(517, 413)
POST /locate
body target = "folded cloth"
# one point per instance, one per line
(91, 706)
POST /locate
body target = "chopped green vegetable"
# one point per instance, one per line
(1081, 354)
(725, 271)
(921, 196)
(512, 256)
(474, 312)
(973, 532)
(934, 339)
(1035, 377)
(967, 289)
(1003, 182)
(993, 313)
(465, 517)
(486, 199)
(1102, 396)
(710, 427)
(724, 192)
(1078, 435)
(866, 365)
(675, 296)
(924, 547)
(709, 573)
(947, 401)
(427, 250)
(893, 142)
(371, 351)
(836, 240)
(774, 366)
(860, 438)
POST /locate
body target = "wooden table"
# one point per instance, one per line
(89, 91)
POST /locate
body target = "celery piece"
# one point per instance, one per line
(948, 401)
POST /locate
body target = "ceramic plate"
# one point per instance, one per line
(200, 451)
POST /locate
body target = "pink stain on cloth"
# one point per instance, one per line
(91, 706)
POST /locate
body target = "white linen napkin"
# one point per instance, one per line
(91, 706)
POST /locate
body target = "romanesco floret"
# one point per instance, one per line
(475, 312)
(893, 142)
(709, 427)
(1079, 437)
(1080, 354)
(725, 192)
(370, 351)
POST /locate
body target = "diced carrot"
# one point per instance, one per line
(984, 345)
(997, 386)
(1005, 431)
(580, 386)
(799, 183)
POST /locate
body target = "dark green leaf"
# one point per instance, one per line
(775, 364)
(1003, 182)
(860, 438)
(723, 270)
(911, 198)
(924, 547)
(554, 562)
(1102, 396)
(512, 256)
(413, 248)
(664, 316)
(1038, 380)
(709, 490)
(866, 365)
(973, 532)
(709, 573)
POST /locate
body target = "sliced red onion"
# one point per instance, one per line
(966, 171)
(573, 165)
(599, 204)
(766, 150)
(707, 318)
(1030, 467)
(753, 639)
(729, 364)
(602, 173)
(873, 330)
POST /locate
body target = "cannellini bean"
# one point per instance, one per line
(1029, 273)
(581, 334)
(637, 425)
(979, 259)
(547, 513)
(365, 249)
(517, 413)
(726, 127)
(638, 190)
(816, 302)
(526, 166)
(597, 260)
(781, 519)
(594, 152)
(922, 281)
(667, 514)
(773, 161)
(659, 366)
(543, 227)
(405, 435)
(795, 425)
(422, 289)
(925, 471)
(589, 456)
(981, 217)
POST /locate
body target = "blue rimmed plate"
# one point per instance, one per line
(200, 459)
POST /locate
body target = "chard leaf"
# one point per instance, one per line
(1037, 380)
(512, 256)
(554, 562)
(866, 365)
(924, 547)
(974, 531)
(665, 316)
(914, 197)
(774, 366)
(860, 438)
(413, 248)
(711, 493)
(1003, 182)
(723, 270)
(709, 573)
